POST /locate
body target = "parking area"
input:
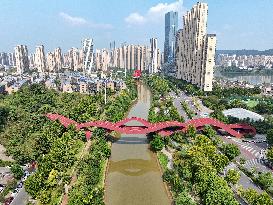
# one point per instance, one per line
(13, 190)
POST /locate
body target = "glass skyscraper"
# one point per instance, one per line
(171, 24)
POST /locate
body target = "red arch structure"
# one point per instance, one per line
(163, 128)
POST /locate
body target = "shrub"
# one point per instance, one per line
(17, 171)
(157, 143)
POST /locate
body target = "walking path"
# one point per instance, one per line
(170, 158)
(84, 152)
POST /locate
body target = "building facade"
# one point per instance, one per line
(75, 59)
(154, 56)
(88, 54)
(40, 59)
(131, 57)
(21, 59)
(58, 59)
(102, 61)
(195, 50)
(50, 61)
(171, 25)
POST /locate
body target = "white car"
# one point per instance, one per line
(1, 188)
(229, 137)
(13, 194)
(26, 175)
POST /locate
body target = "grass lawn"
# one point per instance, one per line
(251, 103)
(163, 160)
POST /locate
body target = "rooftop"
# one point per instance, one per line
(241, 113)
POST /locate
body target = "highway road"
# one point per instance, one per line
(21, 197)
(252, 152)
(182, 97)
(244, 181)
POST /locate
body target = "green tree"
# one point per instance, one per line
(218, 114)
(17, 171)
(265, 179)
(264, 199)
(230, 150)
(219, 193)
(184, 199)
(242, 160)
(269, 137)
(44, 197)
(191, 132)
(157, 143)
(251, 195)
(34, 184)
(269, 154)
(232, 176)
(209, 131)
(52, 179)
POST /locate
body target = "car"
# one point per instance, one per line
(20, 185)
(244, 140)
(229, 137)
(8, 200)
(26, 175)
(205, 114)
(1, 187)
(25, 178)
(15, 192)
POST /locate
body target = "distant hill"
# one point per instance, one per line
(245, 52)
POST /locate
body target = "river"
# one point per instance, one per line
(252, 79)
(134, 177)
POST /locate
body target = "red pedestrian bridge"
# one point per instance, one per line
(163, 128)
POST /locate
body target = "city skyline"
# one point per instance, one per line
(31, 23)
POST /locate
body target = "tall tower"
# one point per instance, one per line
(88, 54)
(40, 59)
(154, 56)
(21, 59)
(112, 53)
(171, 25)
(195, 52)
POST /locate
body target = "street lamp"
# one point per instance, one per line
(105, 91)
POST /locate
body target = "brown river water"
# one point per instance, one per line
(134, 176)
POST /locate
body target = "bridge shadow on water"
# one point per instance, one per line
(132, 140)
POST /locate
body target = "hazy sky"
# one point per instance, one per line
(237, 23)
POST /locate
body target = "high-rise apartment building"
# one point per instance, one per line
(131, 57)
(58, 59)
(195, 51)
(171, 24)
(154, 56)
(66, 60)
(3, 58)
(11, 59)
(102, 59)
(31, 59)
(21, 59)
(51, 62)
(88, 54)
(40, 59)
